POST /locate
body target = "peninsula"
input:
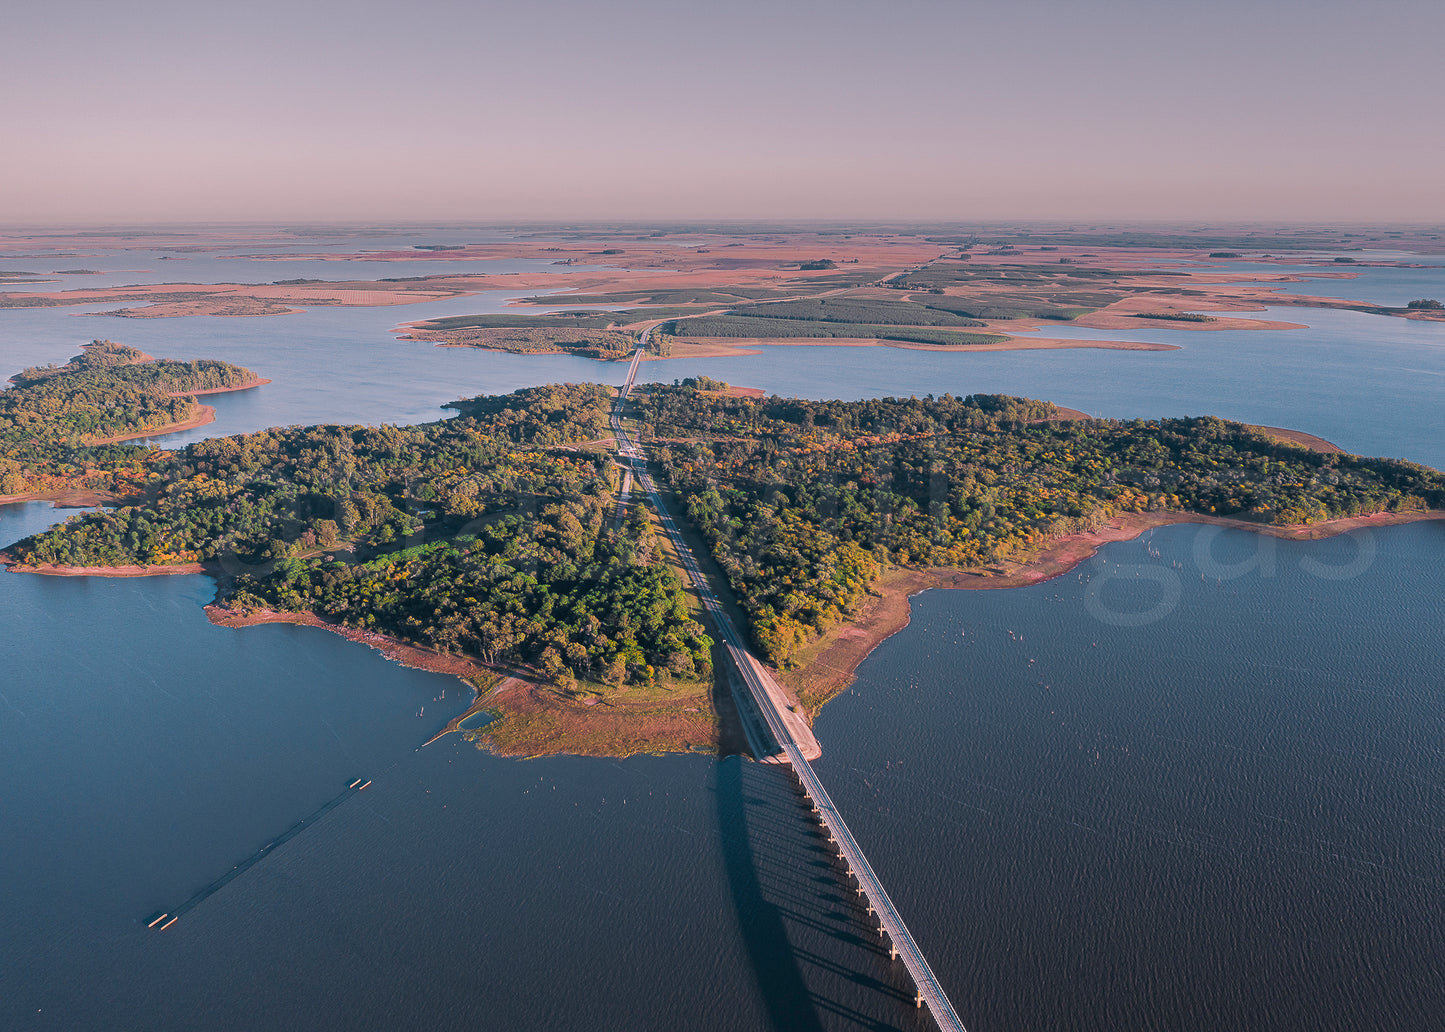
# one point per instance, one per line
(54, 417)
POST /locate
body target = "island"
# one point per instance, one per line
(730, 287)
(501, 545)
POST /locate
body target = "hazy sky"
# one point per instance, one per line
(373, 109)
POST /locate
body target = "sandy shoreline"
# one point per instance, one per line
(204, 414)
(260, 381)
(533, 718)
(828, 666)
(408, 655)
(1310, 441)
(536, 719)
(52, 570)
(64, 498)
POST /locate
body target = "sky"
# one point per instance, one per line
(1278, 110)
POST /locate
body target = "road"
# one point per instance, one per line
(783, 735)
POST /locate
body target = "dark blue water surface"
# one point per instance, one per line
(1195, 783)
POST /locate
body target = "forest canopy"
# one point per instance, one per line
(490, 534)
(107, 391)
(804, 502)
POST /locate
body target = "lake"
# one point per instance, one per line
(1195, 781)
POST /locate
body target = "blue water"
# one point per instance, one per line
(1196, 783)
(1371, 384)
(1395, 286)
(1199, 785)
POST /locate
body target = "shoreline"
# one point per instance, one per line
(738, 347)
(1310, 441)
(64, 498)
(54, 570)
(260, 381)
(205, 414)
(726, 347)
(830, 663)
(536, 719)
(417, 657)
(531, 718)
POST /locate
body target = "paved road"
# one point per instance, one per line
(788, 738)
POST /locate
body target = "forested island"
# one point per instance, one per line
(495, 539)
(106, 394)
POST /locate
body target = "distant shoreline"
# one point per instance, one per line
(725, 347)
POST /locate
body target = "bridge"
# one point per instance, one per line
(778, 733)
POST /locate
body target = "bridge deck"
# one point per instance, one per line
(790, 742)
(930, 992)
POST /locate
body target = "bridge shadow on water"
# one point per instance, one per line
(817, 958)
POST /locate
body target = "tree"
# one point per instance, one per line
(1426, 303)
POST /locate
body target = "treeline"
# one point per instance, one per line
(98, 354)
(803, 502)
(754, 327)
(537, 340)
(1013, 292)
(488, 533)
(860, 310)
(285, 491)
